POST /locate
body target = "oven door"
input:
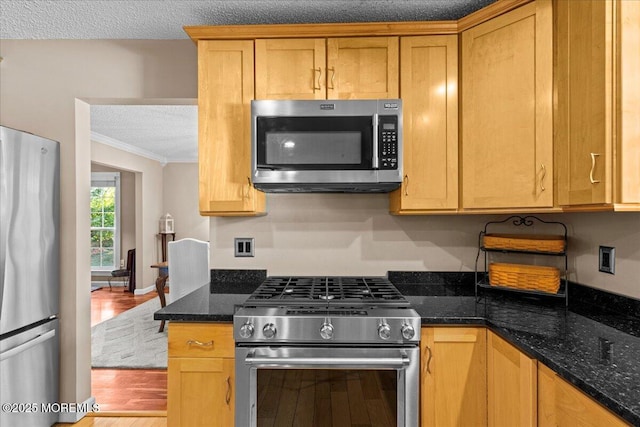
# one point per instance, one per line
(308, 386)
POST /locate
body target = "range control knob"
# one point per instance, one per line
(408, 332)
(246, 330)
(384, 331)
(326, 331)
(269, 330)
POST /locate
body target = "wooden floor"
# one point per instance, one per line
(125, 389)
(326, 398)
(120, 421)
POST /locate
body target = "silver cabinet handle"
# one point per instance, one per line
(593, 167)
(333, 76)
(406, 185)
(200, 343)
(428, 350)
(544, 174)
(319, 70)
(248, 196)
(228, 395)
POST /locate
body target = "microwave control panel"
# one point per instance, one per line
(388, 142)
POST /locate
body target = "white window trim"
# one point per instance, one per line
(110, 176)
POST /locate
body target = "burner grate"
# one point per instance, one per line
(326, 290)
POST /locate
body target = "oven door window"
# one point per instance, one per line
(316, 397)
(314, 143)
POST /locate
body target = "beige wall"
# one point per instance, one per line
(45, 86)
(147, 207)
(181, 200)
(308, 234)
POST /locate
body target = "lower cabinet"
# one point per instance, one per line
(200, 390)
(454, 376)
(562, 404)
(511, 385)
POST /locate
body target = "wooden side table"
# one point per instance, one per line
(164, 237)
(161, 283)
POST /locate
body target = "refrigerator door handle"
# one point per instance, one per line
(23, 347)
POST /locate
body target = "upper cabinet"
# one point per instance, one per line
(225, 91)
(597, 137)
(334, 68)
(507, 134)
(429, 91)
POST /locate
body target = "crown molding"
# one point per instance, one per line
(112, 142)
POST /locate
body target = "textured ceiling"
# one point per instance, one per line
(169, 133)
(154, 19)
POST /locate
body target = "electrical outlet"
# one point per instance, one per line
(607, 259)
(244, 246)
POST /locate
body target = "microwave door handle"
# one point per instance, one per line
(375, 141)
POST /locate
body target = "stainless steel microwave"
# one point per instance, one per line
(326, 146)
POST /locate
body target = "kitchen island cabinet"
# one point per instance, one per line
(332, 68)
(225, 91)
(453, 376)
(200, 375)
(429, 90)
(506, 120)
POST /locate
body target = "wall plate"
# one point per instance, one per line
(244, 246)
(607, 259)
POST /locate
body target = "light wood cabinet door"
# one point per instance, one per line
(507, 134)
(429, 82)
(585, 114)
(598, 111)
(453, 380)
(200, 392)
(560, 404)
(334, 68)
(200, 383)
(225, 91)
(362, 68)
(511, 385)
(291, 68)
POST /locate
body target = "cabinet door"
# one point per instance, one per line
(562, 404)
(291, 69)
(429, 81)
(454, 377)
(362, 68)
(507, 135)
(585, 117)
(225, 90)
(511, 385)
(200, 392)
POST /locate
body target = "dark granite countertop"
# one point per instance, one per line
(599, 355)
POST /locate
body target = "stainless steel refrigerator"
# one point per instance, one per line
(29, 278)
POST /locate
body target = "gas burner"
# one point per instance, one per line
(323, 290)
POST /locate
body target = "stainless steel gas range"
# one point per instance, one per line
(309, 349)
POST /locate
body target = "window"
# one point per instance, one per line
(105, 221)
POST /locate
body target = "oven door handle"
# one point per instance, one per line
(333, 362)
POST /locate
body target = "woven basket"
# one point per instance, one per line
(527, 277)
(524, 242)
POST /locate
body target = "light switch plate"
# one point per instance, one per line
(607, 259)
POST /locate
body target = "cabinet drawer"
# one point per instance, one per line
(200, 340)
